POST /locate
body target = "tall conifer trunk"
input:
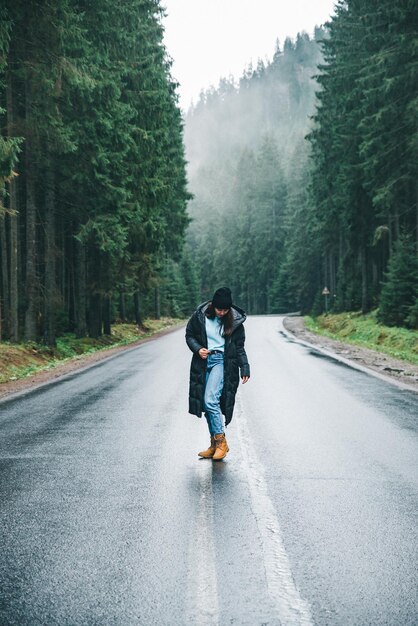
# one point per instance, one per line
(416, 216)
(122, 305)
(364, 282)
(14, 290)
(157, 303)
(137, 307)
(396, 221)
(332, 278)
(80, 289)
(375, 277)
(31, 278)
(106, 299)
(50, 261)
(14, 220)
(4, 278)
(390, 237)
(95, 316)
(95, 299)
(107, 303)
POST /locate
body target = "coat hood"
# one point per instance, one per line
(237, 312)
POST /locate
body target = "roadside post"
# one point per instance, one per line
(325, 292)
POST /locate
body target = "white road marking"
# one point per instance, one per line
(292, 609)
(203, 607)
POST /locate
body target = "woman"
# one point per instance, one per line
(215, 334)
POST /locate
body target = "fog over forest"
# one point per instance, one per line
(274, 98)
(251, 128)
(305, 171)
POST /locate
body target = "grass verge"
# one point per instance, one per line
(364, 330)
(25, 359)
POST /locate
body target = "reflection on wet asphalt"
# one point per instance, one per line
(109, 517)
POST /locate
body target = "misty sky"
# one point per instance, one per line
(208, 39)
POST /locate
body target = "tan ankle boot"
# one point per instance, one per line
(208, 454)
(221, 447)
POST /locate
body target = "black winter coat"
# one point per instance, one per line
(235, 359)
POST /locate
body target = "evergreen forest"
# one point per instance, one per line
(305, 171)
(93, 179)
(301, 175)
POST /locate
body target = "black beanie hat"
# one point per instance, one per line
(222, 298)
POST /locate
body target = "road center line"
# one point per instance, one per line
(292, 609)
(202, 583)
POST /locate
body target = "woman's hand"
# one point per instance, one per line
(245, 379)
(203, 353)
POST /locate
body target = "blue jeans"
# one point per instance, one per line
(213, 391)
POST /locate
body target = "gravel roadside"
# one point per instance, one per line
(384, 364)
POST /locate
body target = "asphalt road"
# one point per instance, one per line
(108, 517)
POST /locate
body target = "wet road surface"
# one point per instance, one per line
(108, 517)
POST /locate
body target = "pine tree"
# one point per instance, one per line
(400, 288)
(103, 196)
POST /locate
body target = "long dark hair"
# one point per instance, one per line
(227, 320)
